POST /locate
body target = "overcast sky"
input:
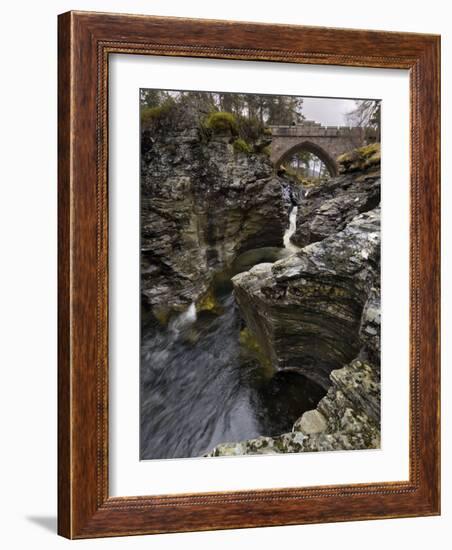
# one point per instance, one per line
(329, 112)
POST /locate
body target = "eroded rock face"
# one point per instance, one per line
(203, 204)
(370, 326)
(328, 208)
(316, 311)
(348, 417)
(306, 309)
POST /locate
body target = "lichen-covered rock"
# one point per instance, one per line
(370, 326)
(355, 387)
(306, 310)
(360, 383)
(312, 422)
(202, 204)
(347, 418)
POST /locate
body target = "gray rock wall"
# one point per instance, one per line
(327, 209)
(319, 311)
(202, 205)
(306, 309)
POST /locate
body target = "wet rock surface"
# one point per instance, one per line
(203, 204)
(328, 208)
(347, 418)
(208, 212)
(294, 352)
(319, 309)
(306, 309)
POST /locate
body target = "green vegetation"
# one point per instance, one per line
(371, 153)
(162, 314)
(301, 179)
(361, 158)
(220, 122)
(291, 172)
(250, 129)
(209, 303)
(244, 116)
(250, 345)
(150, 116)
(267, 150)
(241, 146)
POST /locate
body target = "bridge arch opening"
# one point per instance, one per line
(308, 159)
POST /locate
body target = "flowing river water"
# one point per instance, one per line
(202, 382)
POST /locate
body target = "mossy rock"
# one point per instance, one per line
(208, 302)
(267, 151)
(360, 159)
(249, 342)
(221, 122)
(302, 180)
(241, 146)
(162, 314)
(262, 146)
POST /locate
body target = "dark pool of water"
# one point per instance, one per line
(200, 386)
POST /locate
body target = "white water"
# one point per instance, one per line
(186, 318)
(291, 230)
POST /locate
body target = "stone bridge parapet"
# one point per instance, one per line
(326, 142)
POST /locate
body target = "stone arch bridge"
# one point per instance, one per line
(326, 142)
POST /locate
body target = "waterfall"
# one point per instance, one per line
(183, 320)
(291, 230)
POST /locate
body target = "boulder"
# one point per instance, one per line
(328, 208)
(312, 422)
(347, 418)
(306, 310)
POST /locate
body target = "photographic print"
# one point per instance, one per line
(259, 274)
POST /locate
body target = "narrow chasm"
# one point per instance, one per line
(259, 301)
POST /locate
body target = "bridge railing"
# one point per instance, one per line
(314, 130)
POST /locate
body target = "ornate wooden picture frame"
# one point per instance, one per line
(86, 41)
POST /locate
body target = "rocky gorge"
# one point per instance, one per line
(260, 299)
(203, 205)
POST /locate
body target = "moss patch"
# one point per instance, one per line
(208, 302)
(249, 342)
(162, 314)
(302, 180)
(151, 115)
(221, 122)
(241, 146)
(360, 159)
